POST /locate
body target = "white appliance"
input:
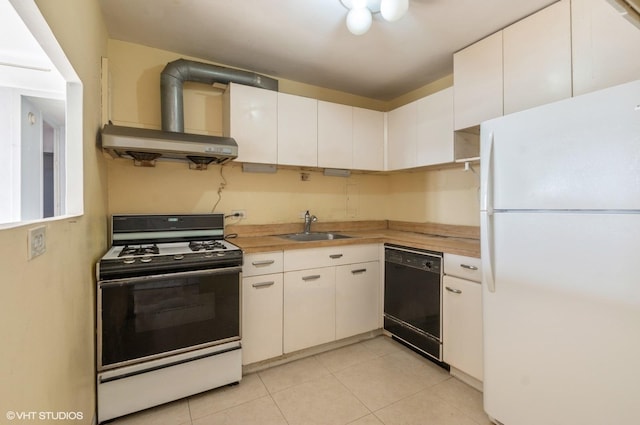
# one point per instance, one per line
(560, 234)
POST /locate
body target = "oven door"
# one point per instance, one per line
(143, 318)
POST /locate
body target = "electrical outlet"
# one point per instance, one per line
(37, 242)
(241, 213)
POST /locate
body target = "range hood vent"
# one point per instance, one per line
(144, 146)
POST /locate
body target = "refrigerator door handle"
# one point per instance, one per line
(486, 207)
(487, 251)
(486, 178)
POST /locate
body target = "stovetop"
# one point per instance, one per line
(160, 244)
(139, 251)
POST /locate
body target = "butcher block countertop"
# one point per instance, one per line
(452, 239)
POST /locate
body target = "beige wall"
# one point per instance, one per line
(47, 304)
(448, 196)
(442, 196)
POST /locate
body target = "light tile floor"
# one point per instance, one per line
(374, 382)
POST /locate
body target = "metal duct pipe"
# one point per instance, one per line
(177, 72)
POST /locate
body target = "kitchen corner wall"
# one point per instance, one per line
(47, 331)
(447, 196)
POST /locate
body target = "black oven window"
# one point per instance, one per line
(166, 314)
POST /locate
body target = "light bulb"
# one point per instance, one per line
(392, 10)
(359, 20)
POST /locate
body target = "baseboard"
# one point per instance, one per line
(467, 379)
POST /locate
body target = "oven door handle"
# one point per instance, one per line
(142, 279)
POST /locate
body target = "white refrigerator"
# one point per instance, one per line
(560, 240)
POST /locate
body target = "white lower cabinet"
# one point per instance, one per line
(262, 294)
(298, 299)
(261, 317)
(330, 293)
(357, 298)
(309, 308)
(462, 316)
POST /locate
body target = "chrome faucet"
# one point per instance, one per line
(308, 219)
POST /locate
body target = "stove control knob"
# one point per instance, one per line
(220, 254)
(208, 254)
(145, 259)
(129, 260)
(178, 257)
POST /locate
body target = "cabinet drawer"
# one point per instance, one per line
(464, 267)
(301, 259)
(262, 263)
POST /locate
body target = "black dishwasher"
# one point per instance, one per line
(412, 298)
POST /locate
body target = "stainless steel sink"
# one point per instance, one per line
(315, 236)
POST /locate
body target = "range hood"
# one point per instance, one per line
(144, 146)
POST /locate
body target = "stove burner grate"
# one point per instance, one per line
(206, 245)
(139, 250)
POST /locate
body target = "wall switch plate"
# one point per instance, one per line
(37, 241)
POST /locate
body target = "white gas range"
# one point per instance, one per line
(168, 311)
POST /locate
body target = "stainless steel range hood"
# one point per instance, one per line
(145, 146)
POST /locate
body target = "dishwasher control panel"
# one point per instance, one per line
(423, 260)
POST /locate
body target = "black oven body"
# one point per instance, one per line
(412, 298)
(142, 318)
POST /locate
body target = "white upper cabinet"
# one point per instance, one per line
(368, 139)
(297, 130)
(250, 117)
(402, 136)
(421, 133)
(477, 76)
(537, 59)
(606, 47)
(335, 134)
(435, 128)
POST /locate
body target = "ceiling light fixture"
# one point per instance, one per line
(361, 12)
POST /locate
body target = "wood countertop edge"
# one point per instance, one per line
(459, 246)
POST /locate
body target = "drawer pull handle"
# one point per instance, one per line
(455, 291)
(335, 256)
(358, 271)
(312, 277)
(263, 262)
(263, 284)
(468, 267)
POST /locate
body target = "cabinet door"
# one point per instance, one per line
(335, 135)
(537, 59)
(462, 325)
(477, 79)
(401, 137)
(357, 298)
(605, 46)
(309, 308)
(297, 130)
(368, 139)
(250, 117)
(435, 128)
(261, 317)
